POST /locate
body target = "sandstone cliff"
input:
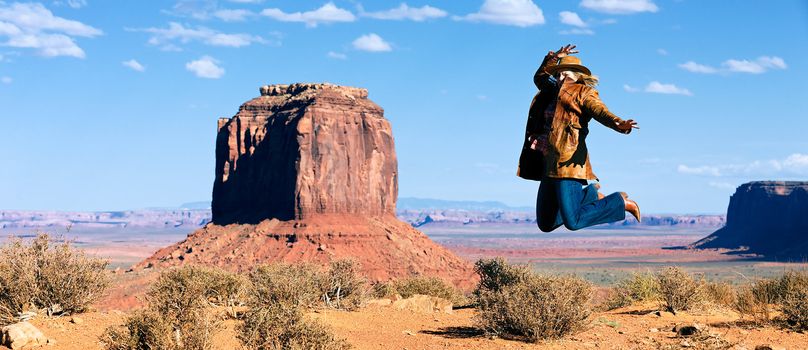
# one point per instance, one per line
(765, 217)
(309, 172)
(304, 149)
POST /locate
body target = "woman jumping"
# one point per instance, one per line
(555, 150)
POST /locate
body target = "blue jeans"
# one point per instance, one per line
(566, 202)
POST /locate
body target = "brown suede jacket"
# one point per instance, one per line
(567, 155)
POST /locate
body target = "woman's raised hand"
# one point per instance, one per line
(626, 125)
(565, 50)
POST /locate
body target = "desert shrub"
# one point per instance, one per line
(283, 327)
(384, 290)
(747, 303)
(528, 305)
(639, 287)
(343, 285)
(291, 285)
(48, 276)
(148, 329)
(179, 314)
(720, 293)
(432, 286)
(180, 292)
(794, 299)
(227, 288)
(496, 274)
(679, 290)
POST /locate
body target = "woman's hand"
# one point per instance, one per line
(563, 51)
(625, 126)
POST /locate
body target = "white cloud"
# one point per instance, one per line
(577, 31)
(134, 65)
(247, 1)
(205, 67)
(48, 45)
(372, 43)
(629, 88)
(166, 37)
(620, 6)
(403, 11)
(760, 65)
(660, 88)
(31, 25)
(337, 55)
(233, 15)
(694, 67)
(662, 52)
(6, 80)
(76, 4)
(571, 18)
(702, 170)
(796, 161)
(482, 97)
(328, 13)
(794, 164)
(520, 13)
(197, 9)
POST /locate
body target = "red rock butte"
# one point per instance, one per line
(308, 172)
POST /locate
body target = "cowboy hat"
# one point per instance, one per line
(569, 63)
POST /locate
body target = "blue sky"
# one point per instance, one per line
(113, 104)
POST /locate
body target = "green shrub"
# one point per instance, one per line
(720, 293)
(343, 285)
(291, 285)
(524, 304)
(280, 327)
(679, 290)
(496, 274)
(747, 303)
(639, 287)
(180, 314)
(794, 299)
(47, 276)
(432, 286)
(281, 292)
(384, 290)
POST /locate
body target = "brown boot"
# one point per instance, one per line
(633, 209)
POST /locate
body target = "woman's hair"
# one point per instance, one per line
(589, 80)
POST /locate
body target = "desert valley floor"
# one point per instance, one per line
(601, 256)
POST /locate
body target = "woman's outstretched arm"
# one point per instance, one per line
(595, 108)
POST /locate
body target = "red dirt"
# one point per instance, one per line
(381, 327)
(386, 247)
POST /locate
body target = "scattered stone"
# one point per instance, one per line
(409, 333)
(654, 330)
(687, 330)
(76, 320)
(22, 334)
(764, 347)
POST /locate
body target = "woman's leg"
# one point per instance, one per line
(579, 212)
(547, 214)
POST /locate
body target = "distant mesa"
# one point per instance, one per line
(309, 172)
(769, 218)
